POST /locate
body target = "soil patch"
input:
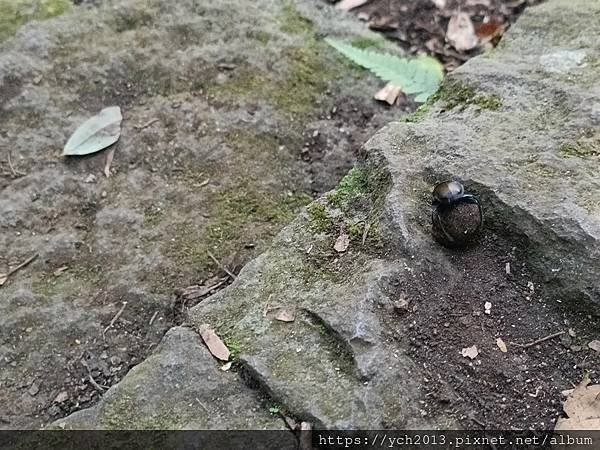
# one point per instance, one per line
(519, 389)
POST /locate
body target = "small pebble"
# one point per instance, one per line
(34, 389)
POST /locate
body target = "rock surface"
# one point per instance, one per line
(235, 116)
(200, 396)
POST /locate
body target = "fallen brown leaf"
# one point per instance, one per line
(582, 407)
(389, 94)
(342, 242)
(461, 32)
(470, 352)
(285, 315)
(215, 345)
(347, 5)
(501, 345)
(385, 23)
(489, 31)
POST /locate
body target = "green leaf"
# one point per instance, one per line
(95, 133)
(421, 75)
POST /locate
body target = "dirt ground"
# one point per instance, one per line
(419, 26)
(519, 389)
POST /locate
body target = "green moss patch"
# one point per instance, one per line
(587, 145)
(455, 94)
(14, 13)
(292, 21)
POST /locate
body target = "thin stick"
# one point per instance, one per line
(227, 271)
(366, 232)
(91, 378)
(200, 403)
(15, 173)
(15, 269)
(539, 341)
(153, 317)
(146, 125)
(20, 266)
(114, 319)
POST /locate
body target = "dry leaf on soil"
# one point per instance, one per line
(470, 352)
(342, 243)
(389, 93)
(347, 5)
(582, 407)
(594, 345)
(385, 23)
(501, 345)
(487, 32)
(285, 316)
(214, 343)
(461, 32)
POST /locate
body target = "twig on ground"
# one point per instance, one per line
(225, 269)
(153, 317)
(114, 319)
(91, 378)
(15, 173)
(366, 232)
(146, 125)
(539, 341)
(5, 277)
(200, 403)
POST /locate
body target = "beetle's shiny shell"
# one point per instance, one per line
(448, 191)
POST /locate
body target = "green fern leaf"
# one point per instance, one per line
(421, 75)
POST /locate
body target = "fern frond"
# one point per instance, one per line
(421, 75)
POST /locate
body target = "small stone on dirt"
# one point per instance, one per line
(62, 397)
(595, 345)
(470, 352)
(285, 315)
(34, 389)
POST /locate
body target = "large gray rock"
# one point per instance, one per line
(180, 386)
(229, 130)
(520, 127)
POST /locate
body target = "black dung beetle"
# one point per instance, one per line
(454, 219)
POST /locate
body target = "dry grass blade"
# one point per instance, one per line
(114, 319)
(221, 266)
